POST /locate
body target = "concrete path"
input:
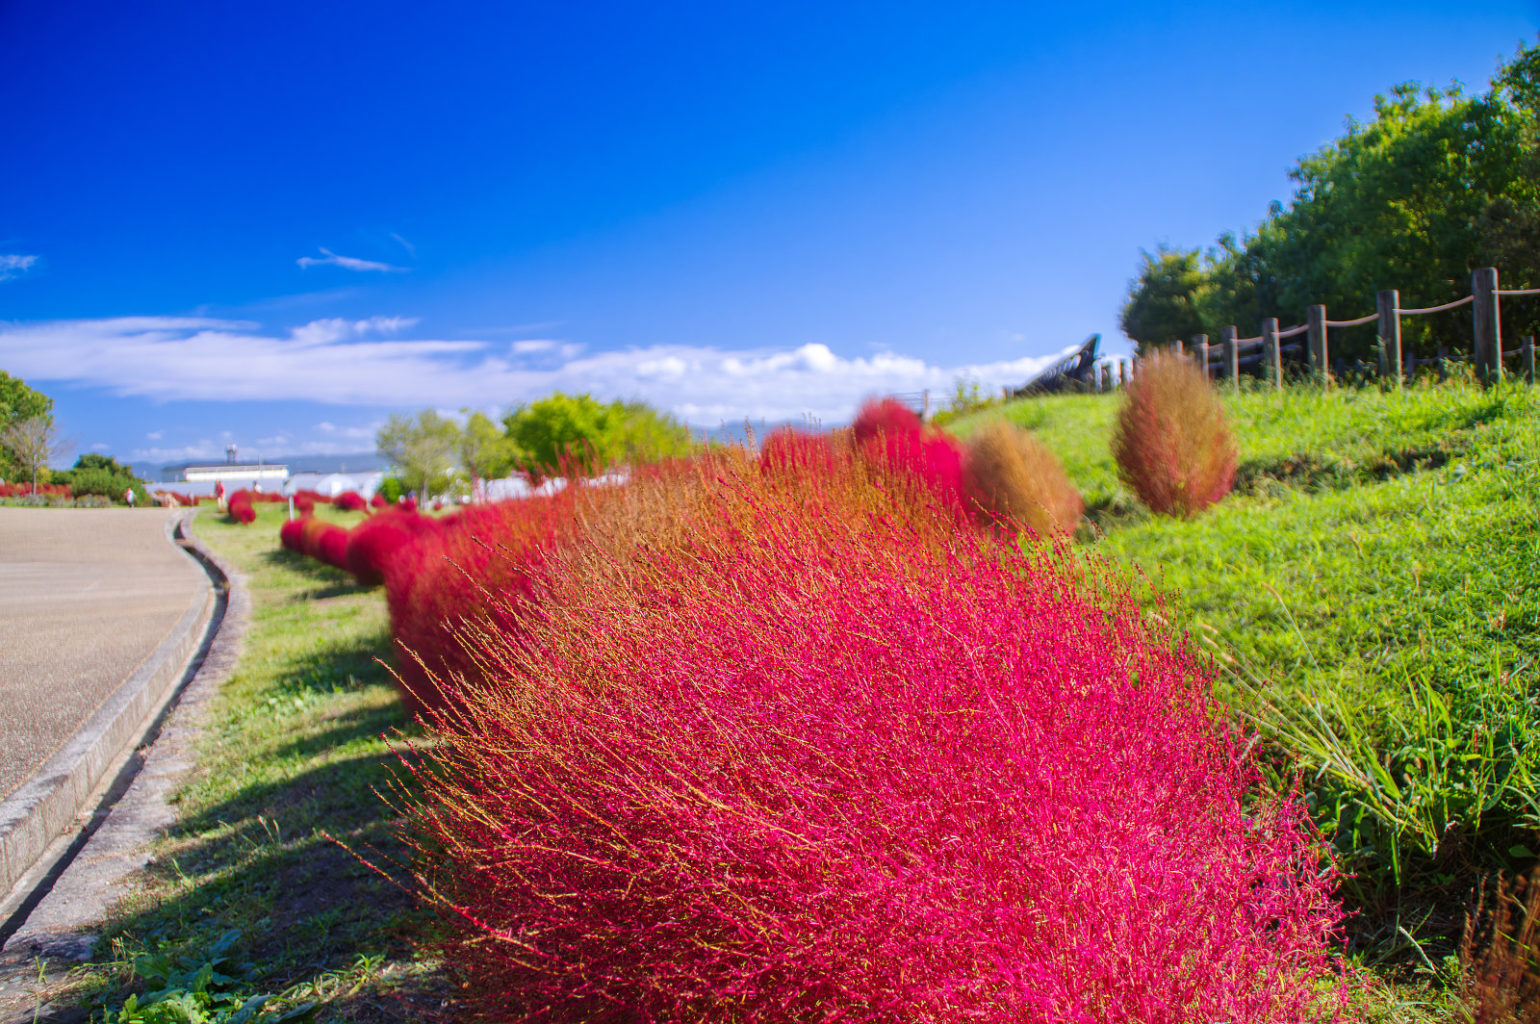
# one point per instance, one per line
(86, 596)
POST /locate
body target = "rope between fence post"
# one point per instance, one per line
(1354, 323)
(1438, 309)
(1519, 291)
(1292, 331)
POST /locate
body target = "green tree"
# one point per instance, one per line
(485, 451)
(1436, 184)
(18, 402)
(33, 443)
(1164, 301)
(580, 435)
(421, 448)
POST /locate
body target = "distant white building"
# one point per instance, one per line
(233, 474)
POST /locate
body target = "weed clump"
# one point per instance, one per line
(1012, 475)
(1172, 441)
(783, 746)
(1502, 975)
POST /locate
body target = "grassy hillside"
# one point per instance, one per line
(1370, 595)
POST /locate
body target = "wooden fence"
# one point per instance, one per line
(1268, 350)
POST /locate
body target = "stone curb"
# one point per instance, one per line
(47, 805)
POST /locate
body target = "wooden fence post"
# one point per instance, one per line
(1104, 377)
(1389, 303)
(1272, 353)
(1488, 356)
(925, 404)
(1443, 364)
(1527, 354)
(1200, 350)
(1232, 357)
(1315, 317)
(1176, 346)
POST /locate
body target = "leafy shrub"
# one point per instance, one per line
(93, 501)
(1011, 474)
(786, 747)
(1172, 441)
(240, 508)
(350, 501)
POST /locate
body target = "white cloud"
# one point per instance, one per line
(100, 446)
(348, 362)
(14, 264)
(408, 246)
(155, 435)
(331, 259)
(533, 345)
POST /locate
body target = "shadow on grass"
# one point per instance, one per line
(311, 916)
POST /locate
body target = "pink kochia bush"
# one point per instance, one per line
(782, 748)
(350, 501)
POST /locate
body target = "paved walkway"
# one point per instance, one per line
(85, 596)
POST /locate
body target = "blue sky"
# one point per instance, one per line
(273, 224)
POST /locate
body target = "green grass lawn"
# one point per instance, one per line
(1370, 595)
(293, 747)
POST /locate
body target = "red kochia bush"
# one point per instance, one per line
(890, 433)
(479, 571)
(22, 490)
(350, 501)
(375, 541)
(240, 508)
(290, 535)
(378, 501)
(776, 754)
(1172, 441)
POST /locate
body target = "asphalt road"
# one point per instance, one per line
(85, 596)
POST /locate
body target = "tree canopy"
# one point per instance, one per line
(1437, 184)
(555, 435)
(19, 403)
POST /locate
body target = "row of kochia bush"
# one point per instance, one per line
(805, 734)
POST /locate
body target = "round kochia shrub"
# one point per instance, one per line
(1172, 441)
(775, 753)
(891, 434)
(241, 509)
(350, 501)
(1011, 474)
(373, 543)
(478, 573)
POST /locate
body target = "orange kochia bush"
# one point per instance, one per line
(1010, 474)
(1172, 440)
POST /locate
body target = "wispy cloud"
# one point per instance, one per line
(362, 363)
(14, 264)
(411, 249)
(331, 259)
